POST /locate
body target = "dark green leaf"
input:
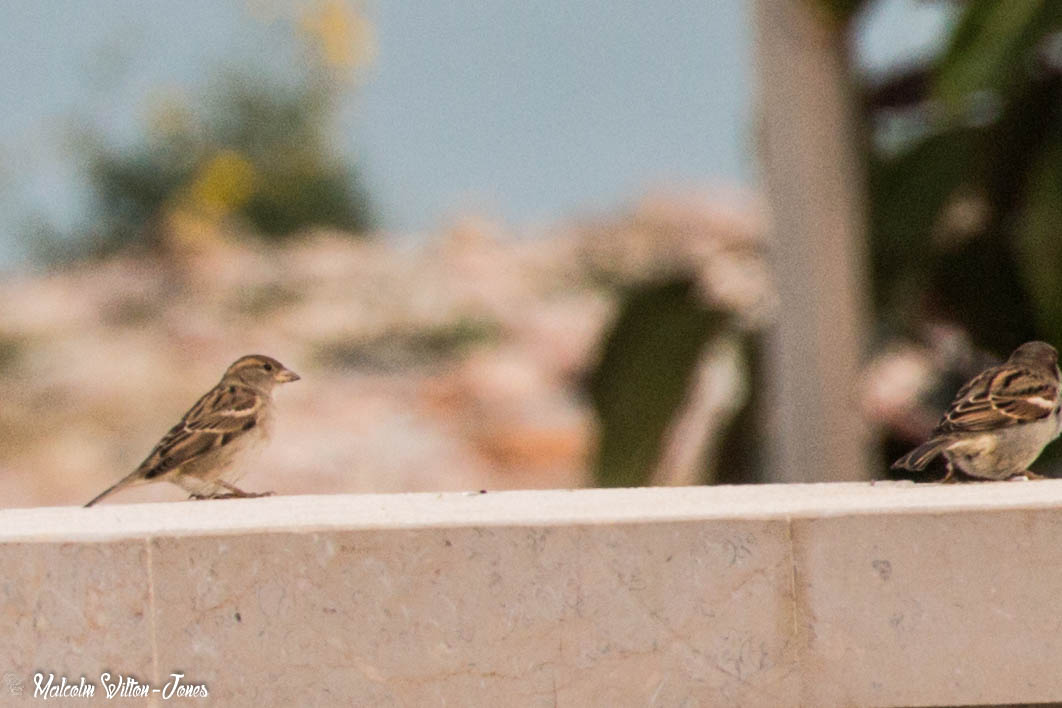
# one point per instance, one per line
(643, 376)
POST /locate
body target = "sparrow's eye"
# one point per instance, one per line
(267, 367)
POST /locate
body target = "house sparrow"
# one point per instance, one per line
(1000, 420)
(198, 452)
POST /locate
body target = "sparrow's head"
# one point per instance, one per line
(1037, 353)
(260, 371)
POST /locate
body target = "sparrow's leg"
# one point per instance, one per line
(949, 478)
(1026, 475)
(235, 491)
(208, 492)
(242, 495)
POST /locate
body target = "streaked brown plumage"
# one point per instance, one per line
(1000, 420)
(197, 453)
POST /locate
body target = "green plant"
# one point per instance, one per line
(256, 152)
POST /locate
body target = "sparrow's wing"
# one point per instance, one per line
(999, 398)
(221, 416)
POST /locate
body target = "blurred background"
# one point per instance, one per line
(514, 245)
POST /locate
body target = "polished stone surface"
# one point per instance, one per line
(781, 595)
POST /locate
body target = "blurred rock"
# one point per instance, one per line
(450, 364)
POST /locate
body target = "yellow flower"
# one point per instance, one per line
(223, 184)
(341, 34)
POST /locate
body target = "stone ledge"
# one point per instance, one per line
(828, 594)
(517, 508)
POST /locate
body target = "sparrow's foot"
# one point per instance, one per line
(1025, 476)
(237, 492)
(233, 493)
(242, 495)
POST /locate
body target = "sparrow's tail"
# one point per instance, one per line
(918, 458)
(125, 481)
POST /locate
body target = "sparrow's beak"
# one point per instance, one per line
(287, 375)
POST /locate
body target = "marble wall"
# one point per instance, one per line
(780, 595)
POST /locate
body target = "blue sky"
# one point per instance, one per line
(528, 112)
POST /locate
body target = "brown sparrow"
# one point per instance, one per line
(197, 454)
(1000, 420)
